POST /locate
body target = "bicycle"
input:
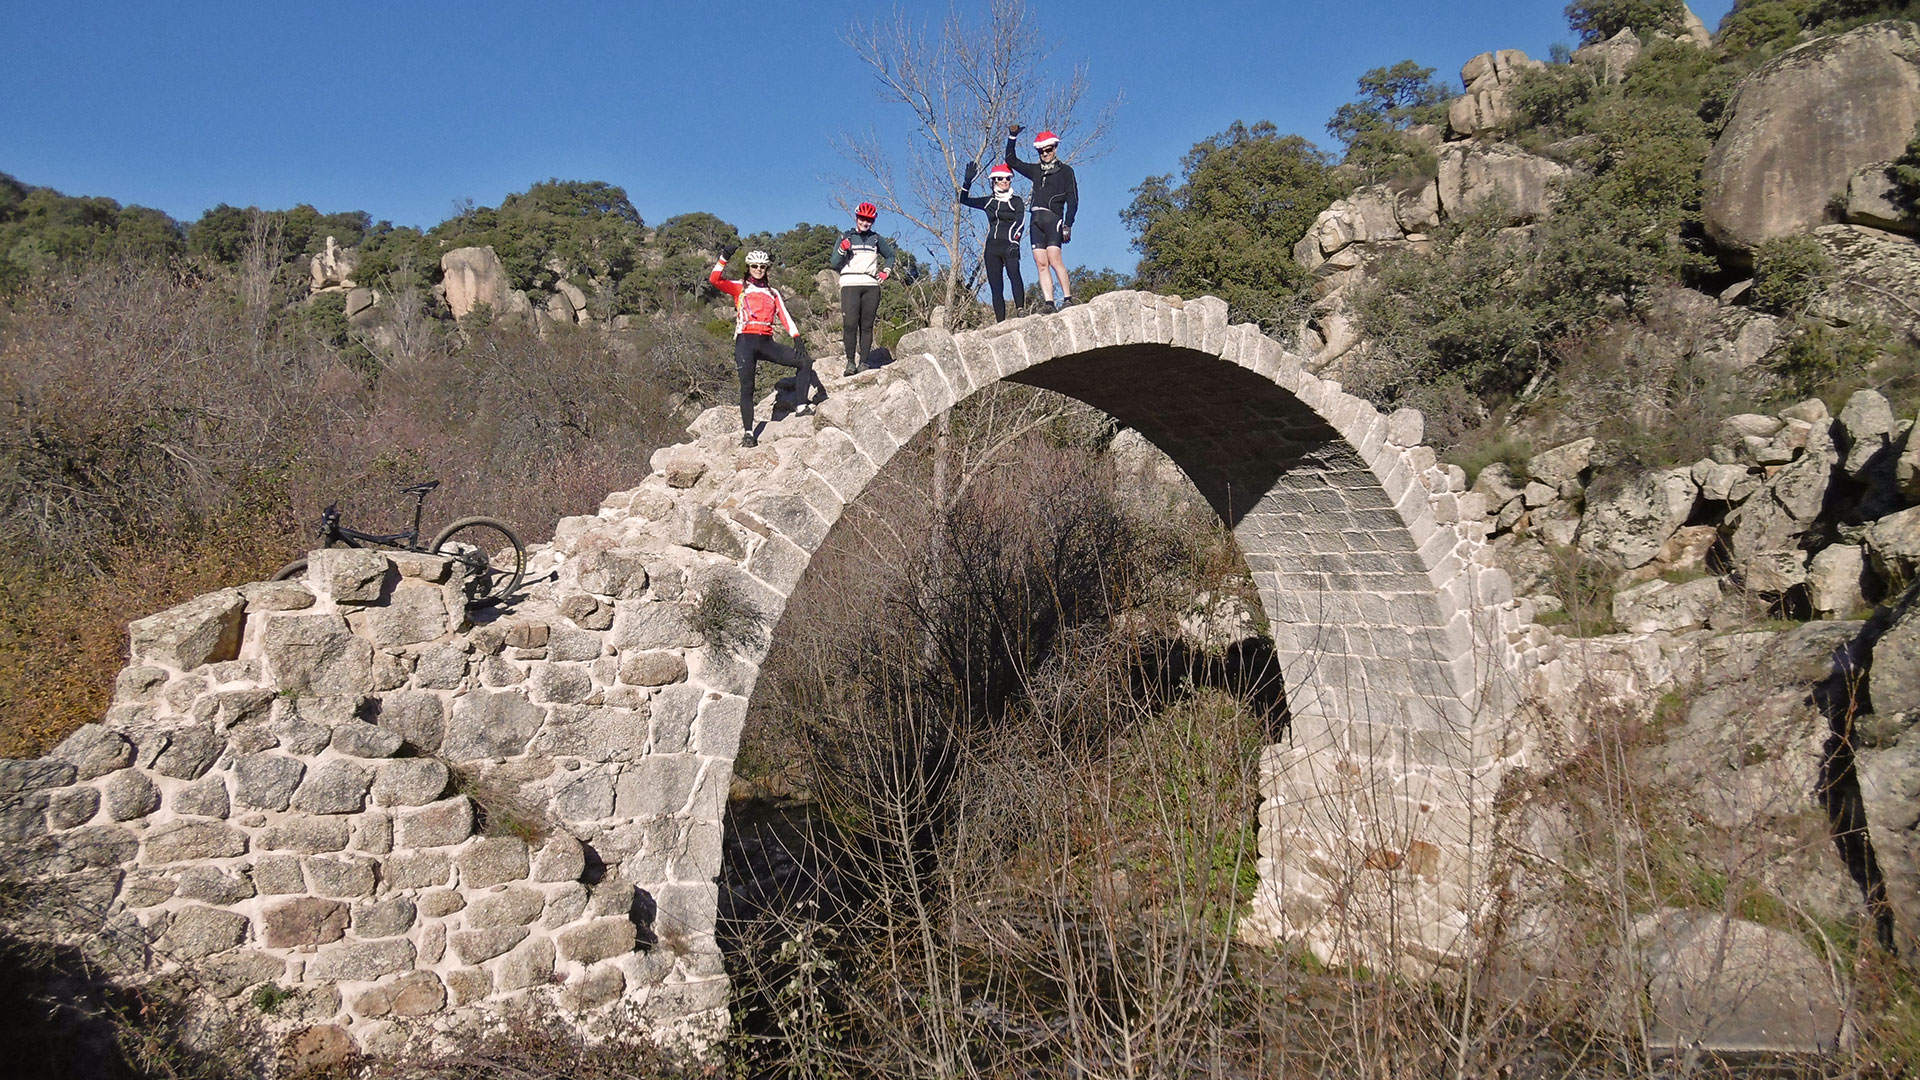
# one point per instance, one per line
(494, 557)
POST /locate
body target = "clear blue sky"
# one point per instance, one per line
(402, 108)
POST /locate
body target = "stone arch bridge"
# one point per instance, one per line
(291, 783)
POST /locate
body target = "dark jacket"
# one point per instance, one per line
(1054, 187)
(1005, 217)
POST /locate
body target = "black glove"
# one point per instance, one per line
(1013, 130)
(726, 252)
(973, 170)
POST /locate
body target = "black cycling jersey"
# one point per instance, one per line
(1054, 188)
(1005, 217)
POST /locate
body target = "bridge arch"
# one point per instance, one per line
(1390, 624)
(302, 737)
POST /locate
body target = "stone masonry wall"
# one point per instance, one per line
(350, 787)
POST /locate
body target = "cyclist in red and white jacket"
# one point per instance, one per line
(757, 311)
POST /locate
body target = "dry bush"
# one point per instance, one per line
(163, 434)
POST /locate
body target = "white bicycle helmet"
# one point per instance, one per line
(756, 257)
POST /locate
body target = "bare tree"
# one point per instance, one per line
(962, 84)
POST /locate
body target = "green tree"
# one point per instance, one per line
(1245, 198)
(1598, 20)
(575, 229)
(41, 229)
(1373, 129)
(698, 231)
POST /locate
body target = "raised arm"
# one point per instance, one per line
(1013, 154)
(714, 278)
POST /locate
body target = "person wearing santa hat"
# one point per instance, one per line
(1051, 206)
(1006, 214)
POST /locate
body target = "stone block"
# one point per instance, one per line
(414, 614)
(439, 667)
(203, 630)
(190, 752)
(147, 888)
(656, 786)
(673, 711)
(440, 824)
(721, 720)
(409, 781)
(598, 734)
(228, 974)
(474, 946)
(588, 796)
(361, 961)
(214, 885)
(559, 683)
(363, 740)
(94, 751)
(69, 807)
(492, 725)
(373, 834)
(419, 993)
(334, 787)
(513, 906)
(278, 875)
(416, 869)
(564, 904)
(188, 841)
(600, 939)
(468, 985)
(129, 794)
(490, 860)
(529, 964)
(384, 918)
(562, 858)
(291, 924)
(316, 653)
(594, 989)
(346, 876)
(441, 902)
(198, 931)
(654, 624)
(266, 781)
(307, 835)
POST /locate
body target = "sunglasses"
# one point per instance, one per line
(864, 220)
(1047, 149)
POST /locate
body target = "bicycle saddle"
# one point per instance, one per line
(421, 488)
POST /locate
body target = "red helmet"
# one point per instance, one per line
(1045, 139)
(866, 210)
(1002, 171)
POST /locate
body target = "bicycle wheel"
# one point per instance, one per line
(495, 558)
(290, 571)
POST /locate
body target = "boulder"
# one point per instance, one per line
(1873, 200)
(1630, 525)
(1661, 605)
(1893, 681)
(1906, 469)
(1731, 985)
(1610, 59)
(1563, 464)
(1867, 426)
(1876, 275)
(1893, 543)
(1802, 125)
(1890, 796)
(1488, 78)
(475, 276)
(1834, 580)
(332, 268)
(1472, 174)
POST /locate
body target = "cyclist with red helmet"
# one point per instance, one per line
(864, 259)
(1054, 201)
(757, 311)
(1006, 213)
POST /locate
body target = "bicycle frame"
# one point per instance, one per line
(331, 530)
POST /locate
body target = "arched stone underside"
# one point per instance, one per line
(316, 711)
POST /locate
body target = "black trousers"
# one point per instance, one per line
(749, 350)
(859, 307)
(1004, 256)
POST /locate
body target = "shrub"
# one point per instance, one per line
(1789, 274)
(1597, 20)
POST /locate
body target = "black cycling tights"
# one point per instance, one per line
(1004, 255)
(749, 350)
(859, 307)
